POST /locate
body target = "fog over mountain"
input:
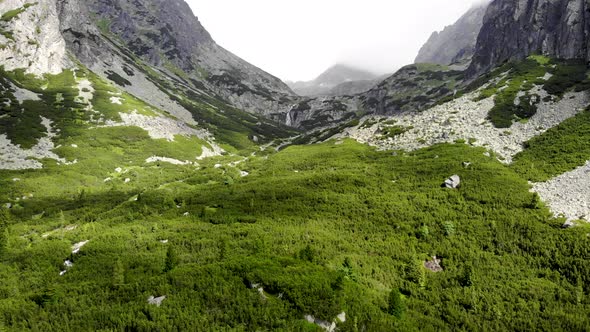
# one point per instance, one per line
(296, 40)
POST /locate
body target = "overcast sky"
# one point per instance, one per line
(299, 39)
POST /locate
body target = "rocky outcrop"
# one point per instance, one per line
(320, 112)
(456, 43)
(30, 37)
(514, 29)
(412, 88)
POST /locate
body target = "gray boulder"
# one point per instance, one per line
(157, 301)
(453, 182)
(568, 224)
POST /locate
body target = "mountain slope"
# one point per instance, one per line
(167, 36)
(50, 96)
(456, 43)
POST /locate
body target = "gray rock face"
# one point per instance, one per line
(32, 40)
(514, 29)
(456, 43)
(156, 30)
(338, 80)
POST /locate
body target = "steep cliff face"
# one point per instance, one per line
(514, 29)
(168, 37)
(456, 43)
(30, 37)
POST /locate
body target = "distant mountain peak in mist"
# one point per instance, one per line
(336, 80)
(340, 73)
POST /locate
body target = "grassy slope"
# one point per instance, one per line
(99, 150)
(559, 150)
(384, 213)
(522, 77)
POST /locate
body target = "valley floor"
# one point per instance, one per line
(259, 242)
(116, 216)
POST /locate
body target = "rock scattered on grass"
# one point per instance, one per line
(172, 161)
(208, 153)
(116, 100)
(433, 265)
(453, 182)
(568, 224)
(76, 247)
(157, 301)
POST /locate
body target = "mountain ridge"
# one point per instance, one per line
(339, 79)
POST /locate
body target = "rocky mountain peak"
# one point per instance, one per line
(109, 36)
(456, 43)
(337, 80)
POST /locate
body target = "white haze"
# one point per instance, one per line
(297, 40)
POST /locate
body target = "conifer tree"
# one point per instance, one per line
(171, 259)
(396, 304)
(118, 274)
(3, 239)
